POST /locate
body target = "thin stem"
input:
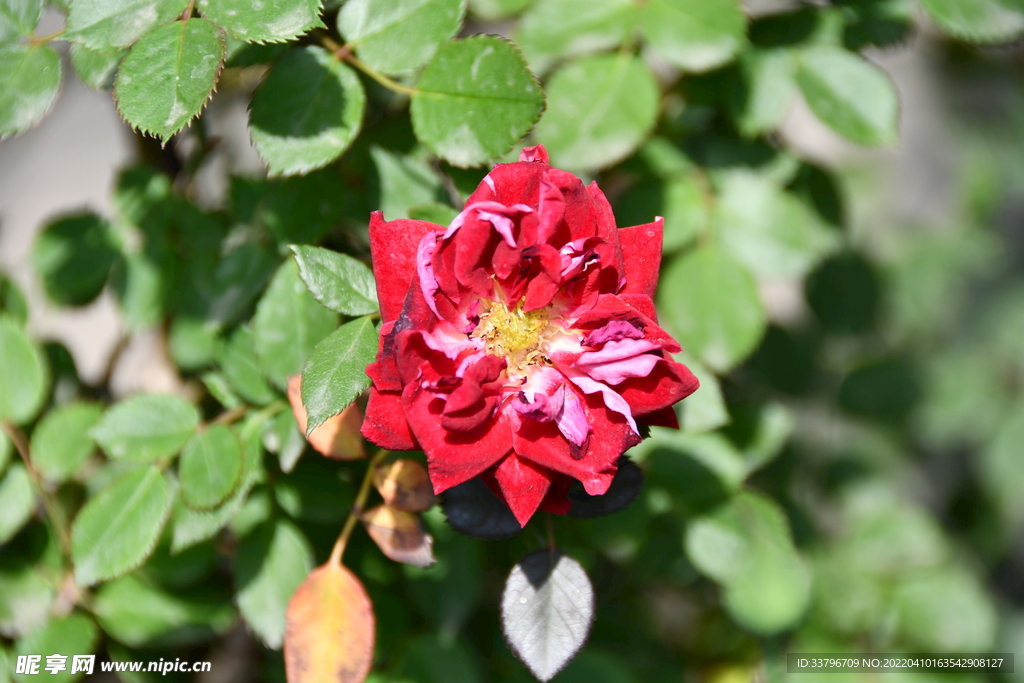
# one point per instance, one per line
(551, 531)
(357, 509)
(230, 416)
(17, 437)
(344, 53)
(187, 14)
(43, 40)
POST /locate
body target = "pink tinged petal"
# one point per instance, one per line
(539, 408)
(614, 331)
(503, 224)
(490, 208)
(489, 181)
(617, 372)
(641, 256)
(536, 153)
(612, 400)
(572, 422)
(618, 350)
(393, 251)
(523, 484)
(425, 269)
(446, 339)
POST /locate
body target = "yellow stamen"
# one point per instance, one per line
(516, 335)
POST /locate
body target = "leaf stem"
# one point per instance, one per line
(35, 41)
(230, 416)
(357, 509)
(551, 531)
(344, 53)
(17, 437)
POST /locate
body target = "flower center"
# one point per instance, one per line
(514, 334)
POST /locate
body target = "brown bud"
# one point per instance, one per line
(399, 535)
(338, 437)
(405, 485)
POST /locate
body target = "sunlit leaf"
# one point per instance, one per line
(75, 634)
(475, 100)
(269, 21)
(337, 437)
(25, 378)
(210, 467)
(146, 427)
(105, 24)
(563, 28)
(694, 35)
(29, 82)
(61, 442)
(17, 501)
(331, 629)
(978, 21)
(94, 67)
(397, 36)
(18, 18)
(336, 372)
(338, 281)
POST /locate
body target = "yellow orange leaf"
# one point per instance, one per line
(338, 437)
(399, 535)
(405, 485)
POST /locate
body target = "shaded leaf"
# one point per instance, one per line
(338, 281)
(140, 615)
(600, 110)
(29, 82)
(624, 489)
(338, 436)
(103, 24)
(694, 35)
(705, 409)
(397, 36)
(850, 95)
(146, 427)
(331, 629)
(473, 509)
(563, 28)
(269, 21)
(168, 76)
(25, 377)
(119, 527)
(25, 601)
(336, 372)
(94, 67)
(237, 361)
(18, 18)
(763, 91)
(73, 257)
(270, 564)
(61, 441)
(404, 485)
(979, 21)
(12, 301)
(475, 100)
(306, 112)
(434, 212)
(288, 324)
(399, 535)
(17, 501)
(405, 181)
(711, 304)
(282, 436)
(497, 9)
(547, 609)
(210, 468)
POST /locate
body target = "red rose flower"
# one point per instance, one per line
(521, 342)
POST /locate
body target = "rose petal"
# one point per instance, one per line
(385, 423)
(393, 246)
(641, 257)
(523, 485)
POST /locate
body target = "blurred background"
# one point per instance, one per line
(854, 483)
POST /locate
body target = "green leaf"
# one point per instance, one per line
(73, 257)
(705, 409)
(192, 342)
(146, 427)
(978, 21)
(141, 284)
(61, 442)
(237, 361)
(711, 304)
(947, 610)
(75, 634)
(770, 231)
(269, 21)
(284, 438)
(336, 372)
(763, 90)
(398, 36)
(288, 324)
(25, 601)
(404, 182)
(694, 35)
(140, 615)
(210, 468)
(25, 378)
(103, 24)
(270, 564)
(850, 95)
(434, 212)
(118, 528)
(338, 281)
(17, 500)
(94, 67)
(683, 201)
(746, 546)
(6, 451)
(169, 75)
(29, 82)
(497, 9)
(1000, 470)
(475, 100)
(555, 29)
(599, 111)
(18, 18)
(306, 112)
(12, 301)
(194, 526)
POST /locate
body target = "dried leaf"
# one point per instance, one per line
(399, 535)
(405, 485)
(330, 631)
(338, 437)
